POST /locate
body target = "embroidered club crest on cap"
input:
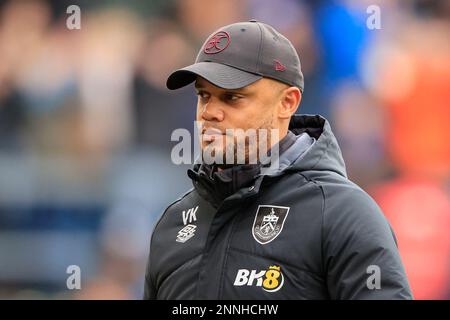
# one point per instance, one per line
(217, 43)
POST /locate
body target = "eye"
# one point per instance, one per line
(232, 97)
(203, 95)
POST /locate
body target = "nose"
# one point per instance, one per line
(212, 111)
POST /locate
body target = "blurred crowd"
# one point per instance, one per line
(86, 123)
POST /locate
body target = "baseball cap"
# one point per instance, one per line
(239, 54)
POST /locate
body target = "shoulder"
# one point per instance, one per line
(181, 202)
(347, 207)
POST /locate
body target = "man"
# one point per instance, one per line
(296, 230)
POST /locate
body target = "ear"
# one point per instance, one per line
(290, 100)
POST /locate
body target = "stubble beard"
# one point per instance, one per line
(245, 149)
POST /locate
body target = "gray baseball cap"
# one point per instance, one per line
(241, 53)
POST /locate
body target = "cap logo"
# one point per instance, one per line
(279, 66)
(217, 43)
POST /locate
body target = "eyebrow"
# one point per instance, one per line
(198, 86)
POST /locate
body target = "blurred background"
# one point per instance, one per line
(85, 125)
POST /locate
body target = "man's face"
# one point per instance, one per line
(252, 107)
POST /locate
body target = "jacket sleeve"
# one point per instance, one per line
(359, 249)
(149, 289)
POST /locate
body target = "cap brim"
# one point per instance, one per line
(220, 75)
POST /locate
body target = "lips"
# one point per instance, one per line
(211, 134)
